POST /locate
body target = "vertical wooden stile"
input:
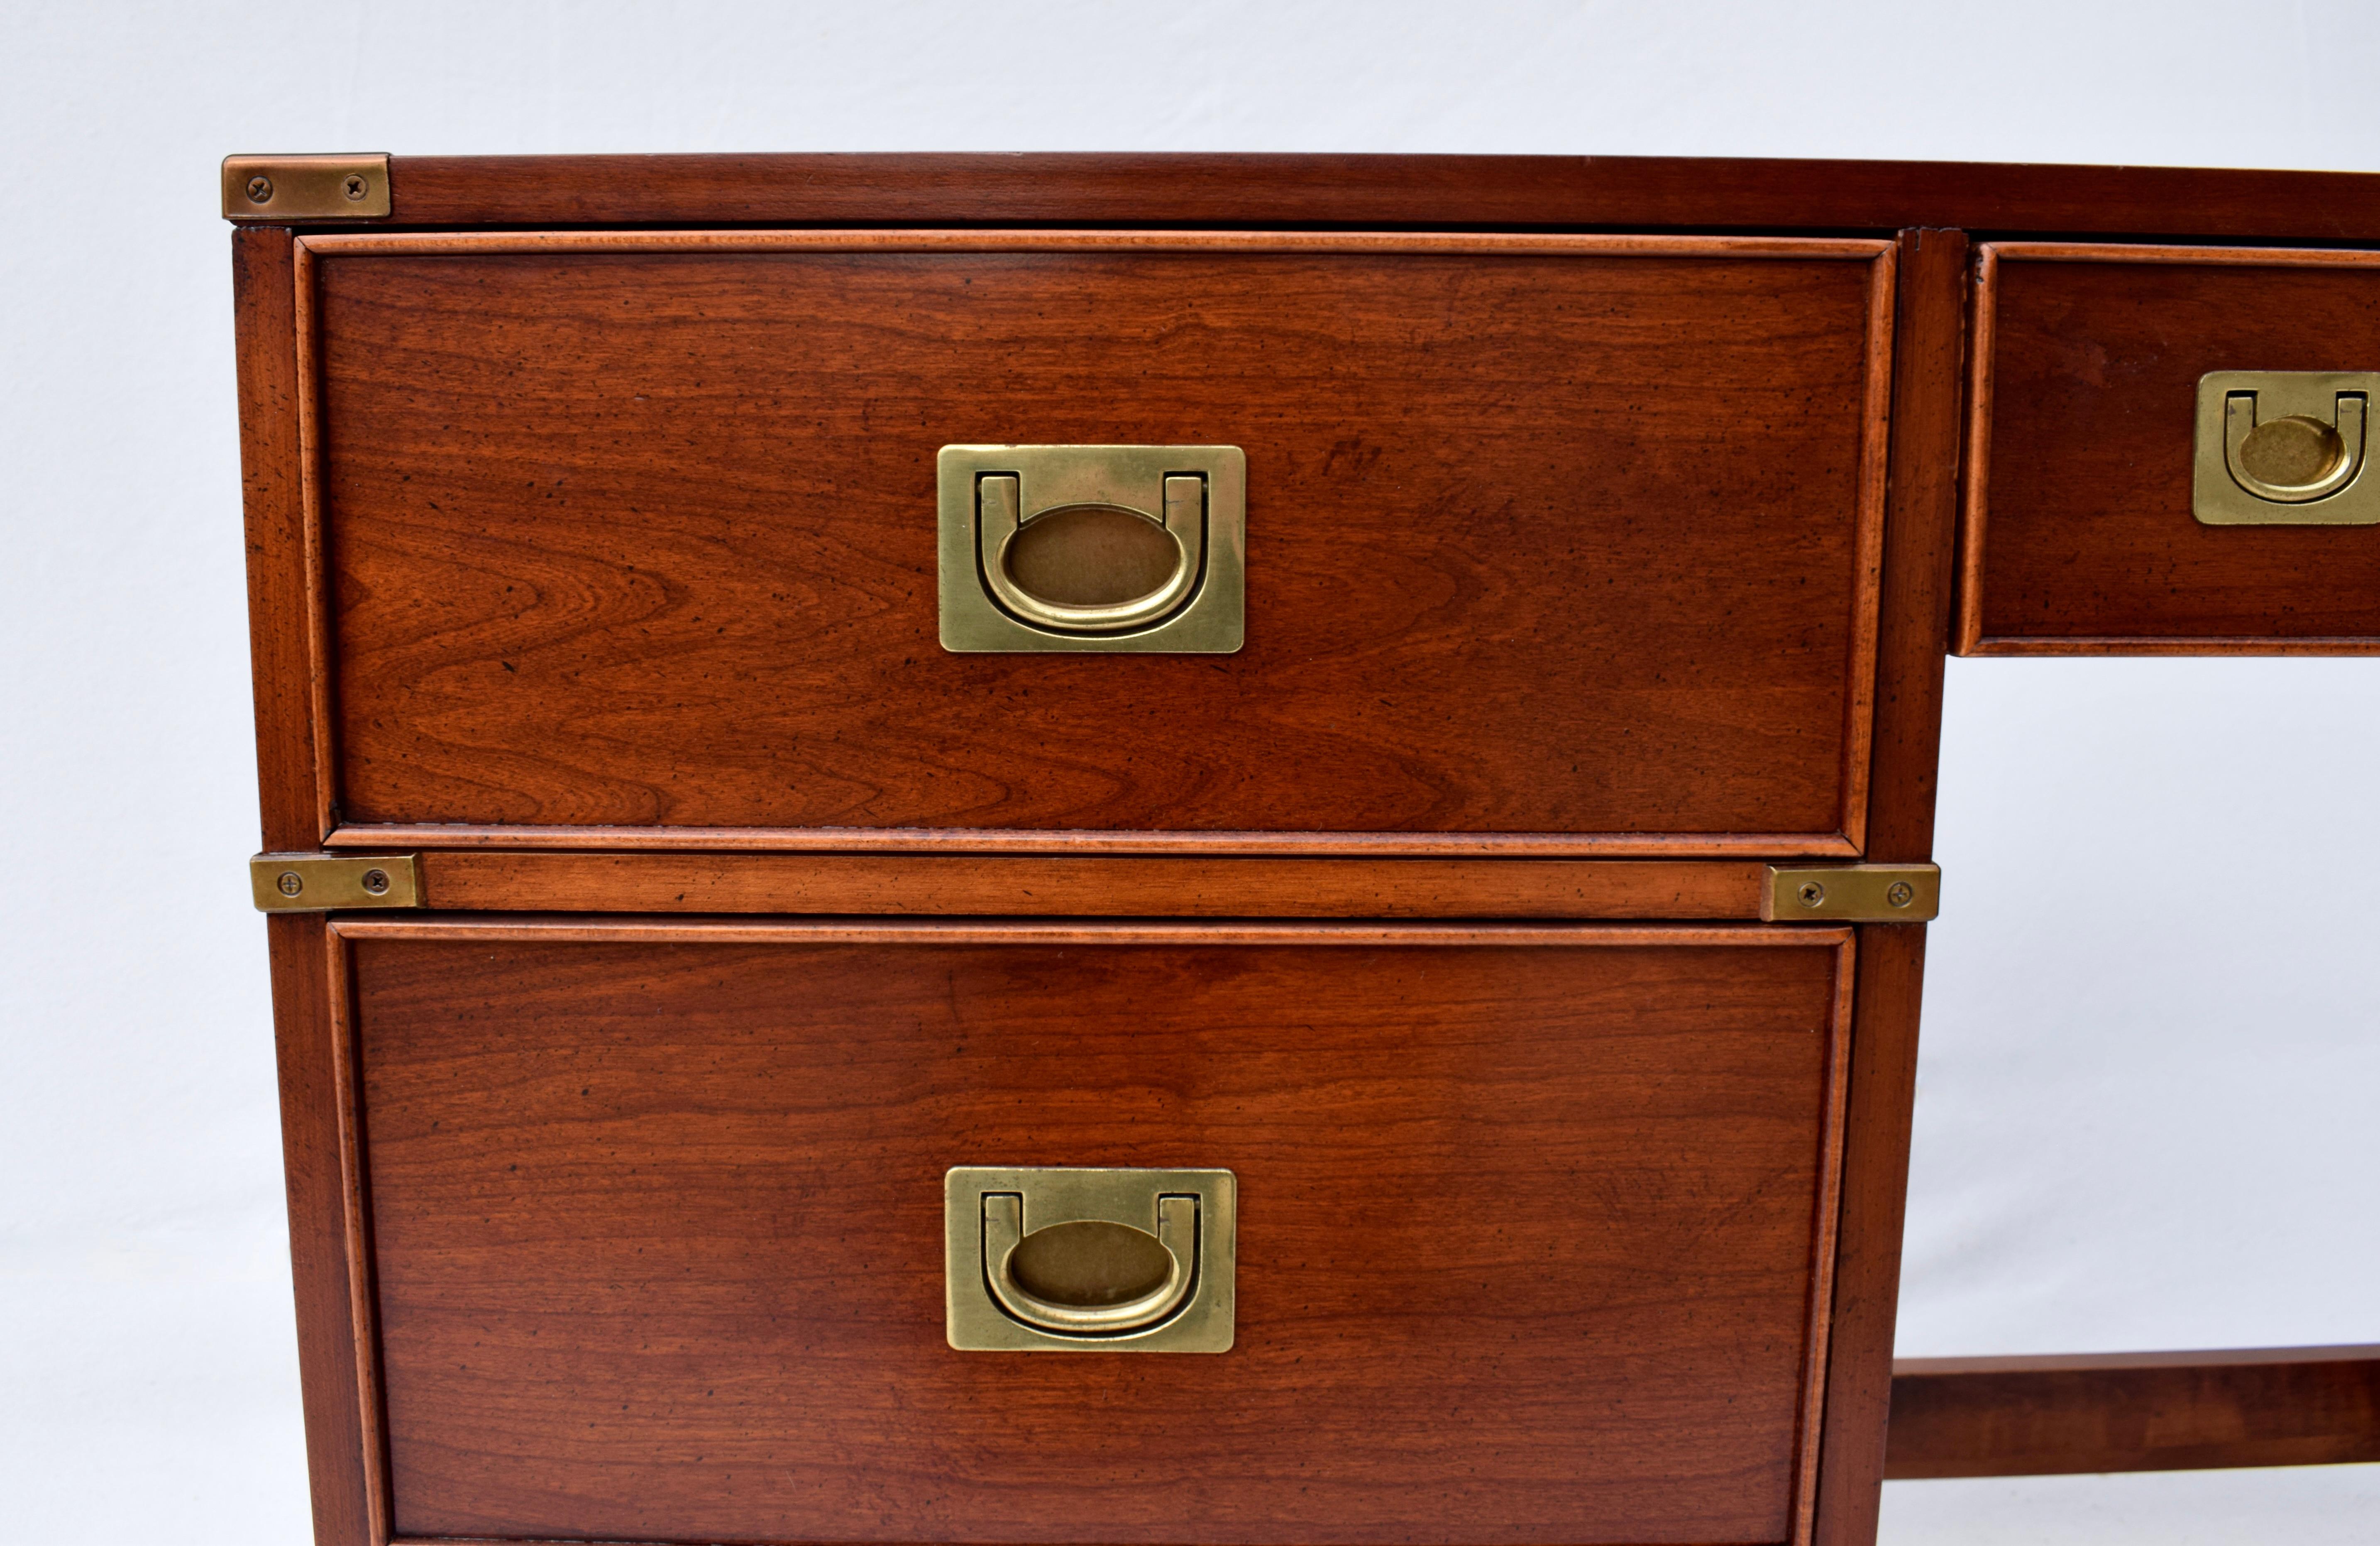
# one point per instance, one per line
(1920, 544)
(314, 1143)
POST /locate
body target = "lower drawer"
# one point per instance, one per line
(1532, 1241)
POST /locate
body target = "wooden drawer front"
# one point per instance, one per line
(1555, 541)
(2079, 535)
(1528, 1220)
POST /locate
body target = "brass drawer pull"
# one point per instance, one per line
(2284, 448)
(1092, 548)
(1090, 1261)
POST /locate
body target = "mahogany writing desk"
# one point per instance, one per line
(1203, 849)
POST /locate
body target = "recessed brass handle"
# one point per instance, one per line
(1092, 548)
(1095, 1262)
(2285, 448)
(1046, 1258)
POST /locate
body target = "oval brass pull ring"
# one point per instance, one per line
(998, 528)
(2294, 459)
(1003, 1233)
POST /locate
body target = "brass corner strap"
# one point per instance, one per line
(321, 883)
(282, 189)
(1852, 894)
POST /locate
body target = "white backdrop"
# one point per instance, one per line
(2146, 1106)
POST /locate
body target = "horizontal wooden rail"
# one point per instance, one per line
(1697, 890)
(2134, 1412)
(1628, 193)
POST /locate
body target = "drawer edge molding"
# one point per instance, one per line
(429, 837)
(627, 928)
(557, 243)
(1836, 833)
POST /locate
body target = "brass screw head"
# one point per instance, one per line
(260, 190)
(376, 881)
(1812, 893)
(355, 186)
(289, 883)
(1901, 893)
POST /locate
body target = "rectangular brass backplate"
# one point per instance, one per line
(320, 882)
(1852, 894)
(292, 188)
(1053, 1259)
(2286, 449)
(1093, 548)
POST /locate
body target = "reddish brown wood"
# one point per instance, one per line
(646, 539)
(1526, 641)
(553, 928)
(1975, 455)
(1091, 886)
(548, 244)
(2135, 1412)
(1867, 1251)
(2161, 255)
(1920, 541)
(386, 836)
(321, 647)
(1920, 556)
(1618, 192)
(2079, 533)
(1810, 1429)
(342, 1453)
(1526, 1248)
(272, 476)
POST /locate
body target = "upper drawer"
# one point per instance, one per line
(1551, 543)
(2080, 533)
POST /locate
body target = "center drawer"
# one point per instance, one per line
(1533, 1232)
(1551, 541)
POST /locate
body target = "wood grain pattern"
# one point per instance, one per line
(273, 485)
(1891, 973)
(2079, 537)
(1526, 1244)
(1517, 192)
(644, 539)
(342, 1449)
(758, 883)
(1976, 457)
(1920, 545)
(2135, 1412)
(556, 928)
(1809, 1438)
(355, 1227)
(366, 244)
(390, 835)
(320, 646)
(1920, 542)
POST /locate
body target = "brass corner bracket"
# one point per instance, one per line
(284, 188)
(1852, 894)
(322, 882)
